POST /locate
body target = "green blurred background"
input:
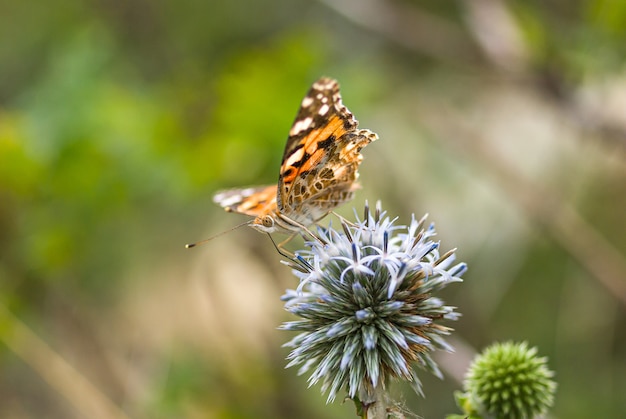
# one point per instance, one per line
(119, 120)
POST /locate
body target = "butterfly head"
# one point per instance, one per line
(264, 224)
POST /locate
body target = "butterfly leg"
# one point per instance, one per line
(319, 239)
(282, 244)
(343, 220)
(298, 262)
(280, 247)
(302, 228)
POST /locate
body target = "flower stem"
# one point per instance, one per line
(373, 403)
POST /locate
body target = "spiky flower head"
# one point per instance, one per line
(508, 380)
(368, 306)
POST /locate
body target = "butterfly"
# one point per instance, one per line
(318, 170)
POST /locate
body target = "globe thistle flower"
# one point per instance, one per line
(367, 306)
(508, 380)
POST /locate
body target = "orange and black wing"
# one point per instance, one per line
(322, 154)
(253, 201)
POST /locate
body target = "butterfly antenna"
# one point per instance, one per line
(190, 245)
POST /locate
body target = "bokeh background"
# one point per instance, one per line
(504, 120)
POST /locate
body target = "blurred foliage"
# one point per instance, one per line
(118, 120)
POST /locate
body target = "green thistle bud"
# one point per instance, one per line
(367, 305)
(508, 380)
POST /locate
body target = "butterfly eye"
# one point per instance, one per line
(268, 221)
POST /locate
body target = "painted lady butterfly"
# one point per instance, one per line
(318, 171)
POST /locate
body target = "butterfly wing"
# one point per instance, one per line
(335, 183)
(318, 170)
(254, 201)
(322, 155)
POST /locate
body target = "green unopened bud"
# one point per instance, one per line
(508, 380)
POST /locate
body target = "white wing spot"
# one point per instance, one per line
(224, 200)
(324, 85)
(324, 110)
(294, 158)
(307, 101)
(301, 125)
